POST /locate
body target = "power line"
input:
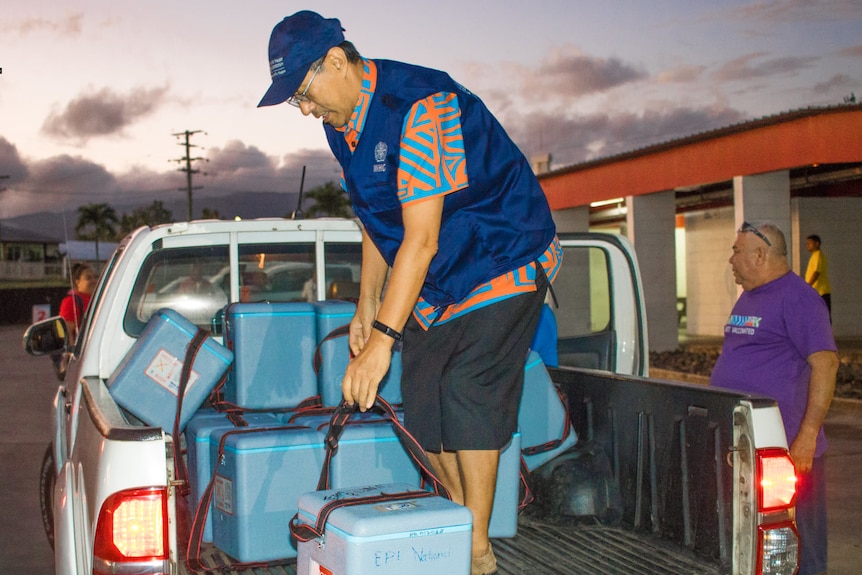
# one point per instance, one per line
(188, 164)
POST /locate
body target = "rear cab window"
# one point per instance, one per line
(199, 281)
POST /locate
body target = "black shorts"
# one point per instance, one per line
(461, 381)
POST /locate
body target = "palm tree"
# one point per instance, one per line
(154, 214)
(95, 222)
(329, 200)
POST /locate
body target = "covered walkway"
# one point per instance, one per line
(680, 202)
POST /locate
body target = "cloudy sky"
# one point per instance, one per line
(93, 91)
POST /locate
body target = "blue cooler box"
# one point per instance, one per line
(542, 415)
(504, 515)
(423, 536)
(364, 441)
(335, 355)
(259, 482)
(147, 381)
(273, 345)
(202, 426)
(368, 453)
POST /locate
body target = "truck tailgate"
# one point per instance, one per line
(592, 550)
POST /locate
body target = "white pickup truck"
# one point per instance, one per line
(697, 479)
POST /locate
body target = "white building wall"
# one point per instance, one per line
(710, 288)
(838, 222)
(764, 197)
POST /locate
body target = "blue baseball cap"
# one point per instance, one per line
(295, 44)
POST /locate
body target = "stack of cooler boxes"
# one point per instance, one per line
(276, 456)
(263, 469)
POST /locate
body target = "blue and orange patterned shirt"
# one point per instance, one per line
(432, 163)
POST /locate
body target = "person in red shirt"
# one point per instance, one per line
(74, 305)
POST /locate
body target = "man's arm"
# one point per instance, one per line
(813, 270)
(821, 387)
(372, 278)
(421, 232)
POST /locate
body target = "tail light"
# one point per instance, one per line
(776, 480)
(778, 539)
(132, 533)
(779, 549)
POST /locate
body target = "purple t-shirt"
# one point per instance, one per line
(767, 340)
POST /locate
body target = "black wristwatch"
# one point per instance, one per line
(396, 335)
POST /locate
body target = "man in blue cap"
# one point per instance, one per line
(453, 215)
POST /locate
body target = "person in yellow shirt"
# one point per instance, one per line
(816, 273)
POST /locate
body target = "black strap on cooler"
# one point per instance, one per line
(315, 410)
(193, 551)
(554, 443)
(312, 402)
(340, 331)
(414, 450)
(526, 489)
(192, 350)
(305, 532)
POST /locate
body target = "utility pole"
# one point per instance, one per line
(2, 189)
(188, 164)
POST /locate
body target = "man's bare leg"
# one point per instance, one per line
(471, 478)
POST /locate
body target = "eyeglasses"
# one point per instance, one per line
(746, 227)
(298, 99)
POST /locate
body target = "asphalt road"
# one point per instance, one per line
(28, 385)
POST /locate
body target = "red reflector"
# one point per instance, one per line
(776, 479)
(132, 526)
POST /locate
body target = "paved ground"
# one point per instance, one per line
(28, 386)
(843, 470)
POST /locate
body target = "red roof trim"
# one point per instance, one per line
(785, 141)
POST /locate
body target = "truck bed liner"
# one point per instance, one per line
(554, 549)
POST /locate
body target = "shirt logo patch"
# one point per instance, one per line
(744, 320)
(742, 324)
(380, 151)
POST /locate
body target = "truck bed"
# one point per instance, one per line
(548, 549)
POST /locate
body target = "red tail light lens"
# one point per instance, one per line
(133, 526)
(776, 480)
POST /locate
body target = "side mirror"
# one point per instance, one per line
(46, 337)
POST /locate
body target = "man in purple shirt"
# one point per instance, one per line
(778, 342)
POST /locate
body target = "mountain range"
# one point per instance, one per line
(60, 226)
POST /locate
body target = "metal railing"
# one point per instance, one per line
(30, 270)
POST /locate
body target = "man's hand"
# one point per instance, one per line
(802, 451)
(365, 371)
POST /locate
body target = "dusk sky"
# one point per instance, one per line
(91, 91)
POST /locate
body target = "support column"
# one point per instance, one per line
(651, 223)
(765, 197)
(572, 219)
